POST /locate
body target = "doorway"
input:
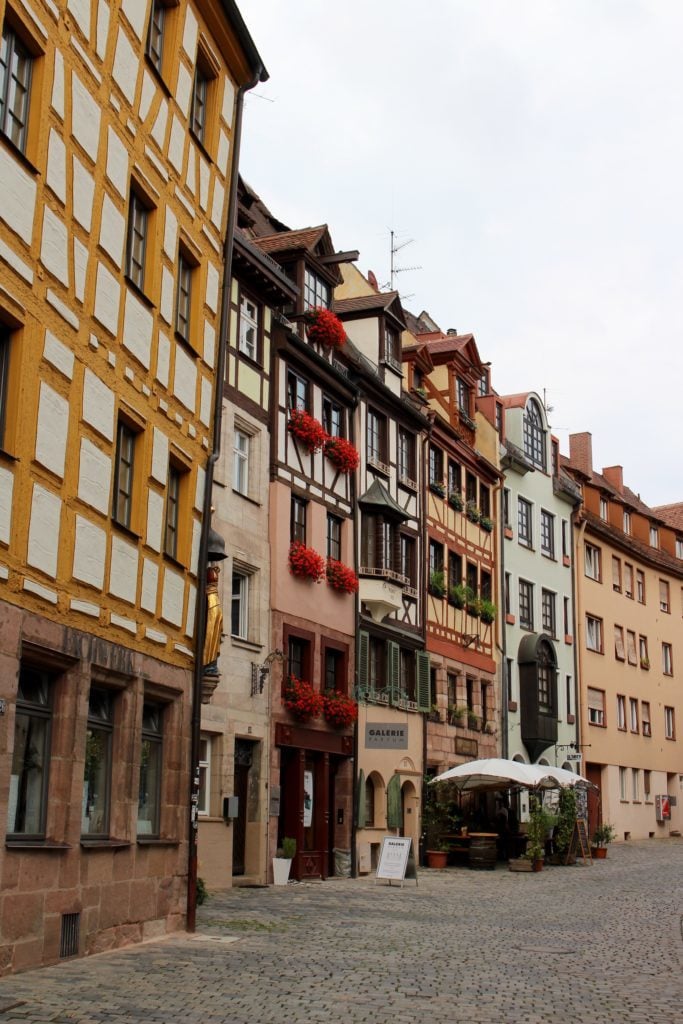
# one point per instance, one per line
(244, 759)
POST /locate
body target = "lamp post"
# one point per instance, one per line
(205, 681)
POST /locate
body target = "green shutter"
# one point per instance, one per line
(394, 816)
(424, 697)
(363, 665)
(394, 655)
(360, 800)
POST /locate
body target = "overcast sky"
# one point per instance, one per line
(533, 149)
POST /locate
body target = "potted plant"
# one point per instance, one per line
(473, 721)
(282, 861)
(324, 327)
(455, 500)
(305, 563)
(306, 429)
(473, 606)
(437, 822)
(537, 831)
(342, 454)
(437, 587)
(645, 663)
(486, 523)
(456, 714)
(301, 700)
(434, 714)
(341, 577)
(437, 488)
(472, 512)
(602, 837)
(565, 824)
(488, 610)
(457, 595)
(340, 710)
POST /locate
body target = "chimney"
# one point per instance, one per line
(614, 475)
(581, 452)
(452, 330)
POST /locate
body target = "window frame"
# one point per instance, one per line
(298, 515)
(548, 604)
(598, 629)
(172, 511)
(5, 346)
(333, 536)
(633, 720)
(240, 462)
(42, 712)
(105, 726)
(547, 534)
(298, 391)
(333, 418)
(204, 763)
(406, 457)
(124, 431)
(667, 659)
(599, 718)
(316, 291)
(534, 435)
(669, 722)
(376, 437)
(155, 737)
(138, 229)
(254, 322)
(592, 558)
(16, 47)
(526, 604)
(525, 533)
(239, 601)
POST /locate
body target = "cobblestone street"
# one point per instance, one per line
(600, 944)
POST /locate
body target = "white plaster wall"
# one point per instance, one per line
(83, 194)
(170, 233)
(52, 430)
(183, 89)
(155, 515)
(56, 165)
(150, 582)
(176, 144)
(57, 99)
(126, 63)
(80, 9)
(98, 405)
(85, 117)
(158, 132)
(89, 553)
(43, 531)
(185, 379)
(107, 299)
(53, 246)
(6, 491)
(205, 407)
(212, 287)
(190, 35)
(18, 196)
(163, 359)
(135, 13)
(94, 476)
(102, 28)
(123, 569)
(117, 163)
(137, 329)
(159, 456)
(80, 269)
(166, 303)
(112, 230)
(58, 355)
(172, 598)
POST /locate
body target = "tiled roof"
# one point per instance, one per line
(653, 556)
(448, 343)
(305, 238)
(378, 300)
(515, 401)
(671, 514)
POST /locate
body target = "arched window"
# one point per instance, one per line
(534, 435)
(369, 803)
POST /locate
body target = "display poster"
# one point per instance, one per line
(394, 858)
(308, 799)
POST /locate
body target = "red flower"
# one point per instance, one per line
(301, 700)
(340, 577)
(305, 562)
(306, 429)
(342, 453)
(326, 328)
(339, 710)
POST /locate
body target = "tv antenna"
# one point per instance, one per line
(396, 248)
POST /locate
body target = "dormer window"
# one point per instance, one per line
(604, 509)
(534, 435)
(483, 384)
(316, 291)
(391, 348)
(463, 396)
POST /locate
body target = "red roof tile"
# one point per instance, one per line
(671, 514)
(305, 238)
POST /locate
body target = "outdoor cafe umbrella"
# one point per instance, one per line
(499, 773)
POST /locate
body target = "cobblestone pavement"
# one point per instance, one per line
(602, 944)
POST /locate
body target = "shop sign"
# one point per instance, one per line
(394, 858)
(465, 746)
(386, 736)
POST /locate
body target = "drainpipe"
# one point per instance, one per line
(500, 632)
(578, 618)
(356, 619)
(200, 614)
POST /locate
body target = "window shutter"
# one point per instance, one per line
(394, 652)
(360, 800)
(394, 816)
(423, 688)
(363, 663)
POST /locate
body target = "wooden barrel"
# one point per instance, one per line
(483, 853)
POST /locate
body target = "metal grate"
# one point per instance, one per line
(71, 928)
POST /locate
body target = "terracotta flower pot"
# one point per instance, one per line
(437, 858)
(598, 852)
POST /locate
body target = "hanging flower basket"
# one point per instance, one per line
(301, 700)
(326, 328)
(342, 454)
(341, 577)
(306, 429)
(339, 710)
(305, 563)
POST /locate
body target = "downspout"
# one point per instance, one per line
(422, 591)
(578, 618)
(501, 631)
(355, 795)
(200, 614)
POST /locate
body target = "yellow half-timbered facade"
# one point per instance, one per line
(118, 128)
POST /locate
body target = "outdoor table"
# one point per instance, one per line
(483, 850)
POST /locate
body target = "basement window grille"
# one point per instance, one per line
(71, 928)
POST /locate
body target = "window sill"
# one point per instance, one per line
(174, 561)
(247, 645)
(549, 555)
(157, 75)
(568, 638)
(186, 343)
(6, 456)
(139, 292)
(408, 483)
(507, 531)
(125, 529)
(104, 844)
(248, 498)
(255, 363)
(565, 561)
(35, 844)
(198, 142)
(598, 725)
(156, 841)
(20, 155)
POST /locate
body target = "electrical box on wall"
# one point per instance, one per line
(231, 807)
(662, 808)
(274, 808)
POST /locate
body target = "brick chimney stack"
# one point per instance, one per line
(581, 452)
(614, 475)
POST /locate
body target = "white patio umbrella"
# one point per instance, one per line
(499, 773)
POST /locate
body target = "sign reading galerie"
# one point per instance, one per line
(393, 858)
(385, 736)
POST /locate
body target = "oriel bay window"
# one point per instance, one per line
(316, 291)
(151, 761)
(379, 543)
(30, 757)
(98, 761)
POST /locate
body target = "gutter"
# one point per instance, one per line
(260, 75)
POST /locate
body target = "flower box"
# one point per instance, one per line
(486, 523)
(342, 454)
(305, 563)
(341, 577)
(472, 512)
(455, 500)
(325, 328)
(306, 429)
(301, 700)
(340, 711)
(436, 488)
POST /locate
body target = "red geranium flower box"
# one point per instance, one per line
(340, 711)
(306, 563)
(301, 700)
(340, 577)
(307, 429)
(342, 454)
(326, 328)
